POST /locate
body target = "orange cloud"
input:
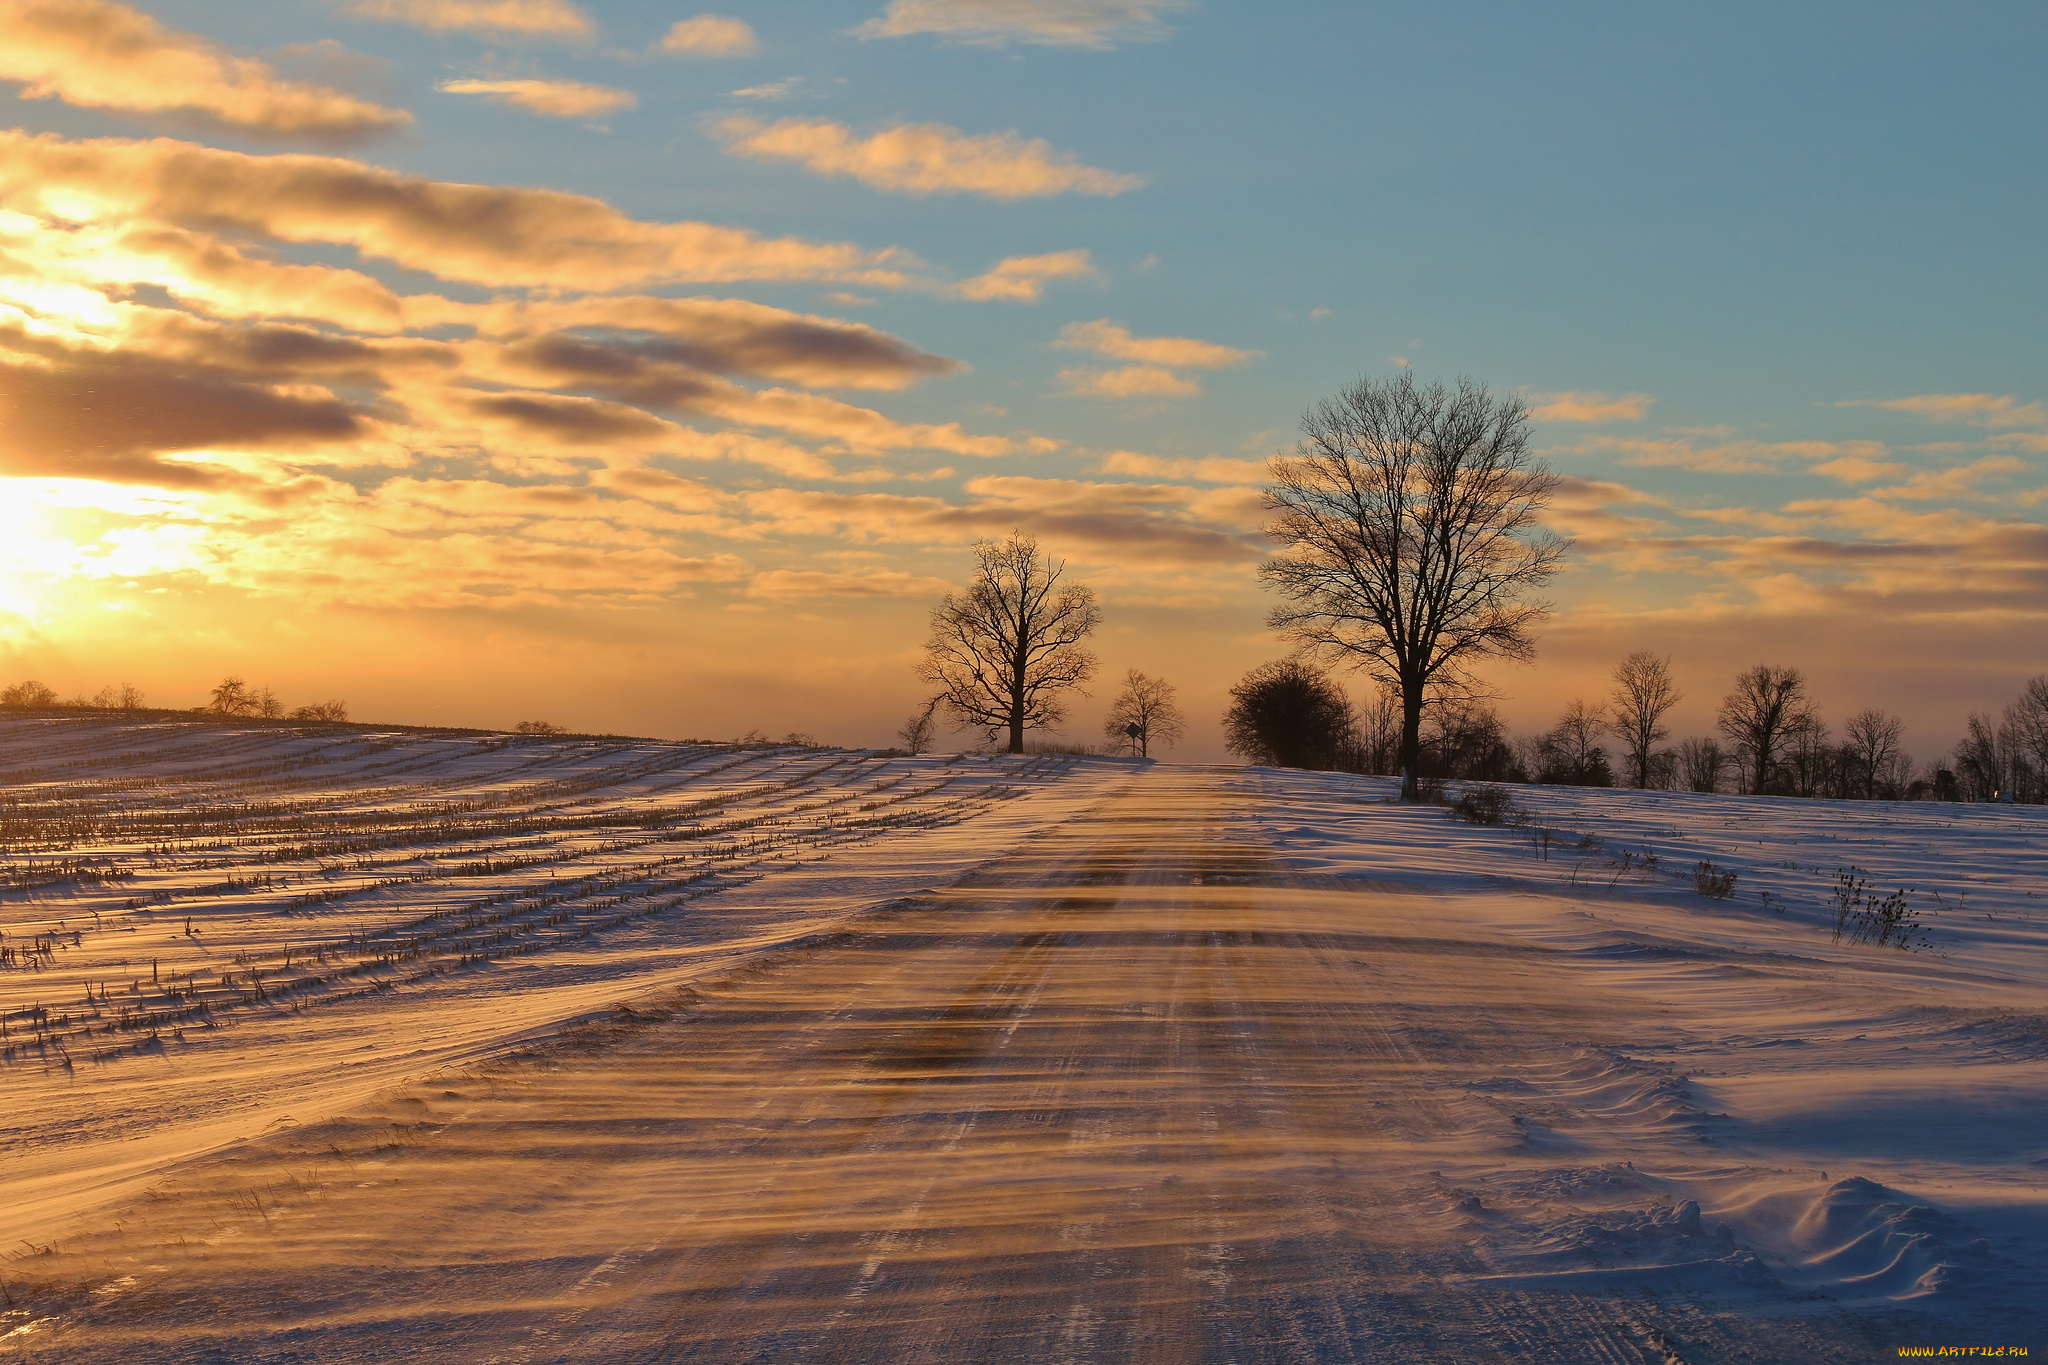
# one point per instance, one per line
(710, 35)
(725, 336)
(1128, 381)
(784, 584)
(549, 99)
(1208, 469)
(480, 233)
(1115, 341)
(1021, 279)
(1978, 409)
(502, 18)
(922, 158)
(99, 54)
(1591, 407)
(1052, 23)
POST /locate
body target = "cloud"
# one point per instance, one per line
(922, 158)
(482, 233)
(1207, 469)
(1727, 457)
(1158, 525)
(1858, 469)
(784, 584)
(1977, 409)
(1111, 339)
(711, 35)
(496, 18)
(1590, 407)
(1053, 23)
(1021, 279)
(770, 90)
(98, 54)
(1128, 381)
(723, 336)
(548, 98)
(117, 417)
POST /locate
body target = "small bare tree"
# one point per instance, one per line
(1871, 742)
(31, 694)
(1643, 693)
(1568, 754)
(1005, 650)
(1701, 762)
(536, 727)
(231, 696)
(1768, 708)
(1410, 519)
(321, 710)
(920, 730)
(1143, 714)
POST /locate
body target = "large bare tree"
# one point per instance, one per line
(1144, 714)
(1410, 517)
(1643, 693)
(1005, 650)
(1768, 708)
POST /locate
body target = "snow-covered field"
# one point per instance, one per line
(211, 931)
(288, 1010)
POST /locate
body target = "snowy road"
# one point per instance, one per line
(1134, 1093)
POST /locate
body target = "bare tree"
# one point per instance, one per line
(536, 727)
(30, 694)
(1643, 693)
(1701, 763)
(1768, 707)
(920, 730)
(1871, 742)
(1379, 733)
(231, 697)
(1143, 714)
(268, 706)
(1410, 516)
(1005, 650)
(322, 710)
(1289, 714)
(1569, 756)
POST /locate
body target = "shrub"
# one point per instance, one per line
(1710, 880)
(1864, 918)
(1486, 803)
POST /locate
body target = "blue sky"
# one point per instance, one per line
(1770, 276)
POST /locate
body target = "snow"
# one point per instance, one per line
(574, 1031)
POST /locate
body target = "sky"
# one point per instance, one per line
(652, 370)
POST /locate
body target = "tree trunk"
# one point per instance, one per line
(1411, 738)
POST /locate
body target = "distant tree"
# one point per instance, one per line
(538, 727)
(1142, 715)
(1569, 754)
(1410, 515)
(30, 694)
(126, 697)
(1643, 693)
(268, 706)
(920, 730)
(1379, 733)
(1983, 760)
(1870, 742)
(1701, 763)
(322, 710)
(1768, 707)
(1289, 714)
(232, 697)
(1466, 740)
(1005, 650)
(801, 739)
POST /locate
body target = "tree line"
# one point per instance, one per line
(1410, 521)
(231, 696)
(1769, 739)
